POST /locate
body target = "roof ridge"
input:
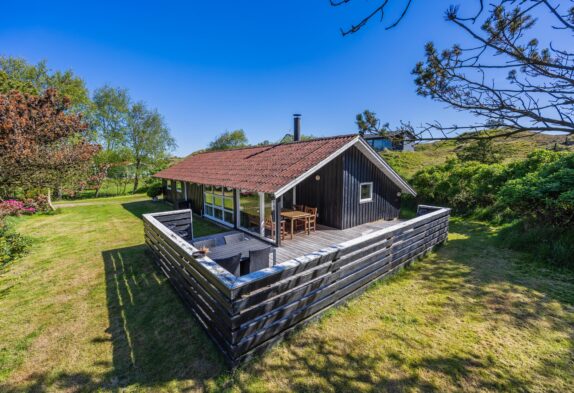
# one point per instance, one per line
(272, 145)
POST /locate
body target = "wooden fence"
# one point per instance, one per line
(245, 315)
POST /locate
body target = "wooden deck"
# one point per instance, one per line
(325, 236)
(304, 244)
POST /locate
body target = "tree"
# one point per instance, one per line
(368, 123)
(229, 140)
(484, 151)
(41, 142)
(110, 116)
(147, 137)
(17, 74)
(534, 94)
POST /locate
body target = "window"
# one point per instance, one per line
(366, 190)
(178, 186)
(218, 203)
(256, 213)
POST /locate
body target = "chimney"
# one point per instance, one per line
(296, 127)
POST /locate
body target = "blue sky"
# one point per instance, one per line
(215, 66)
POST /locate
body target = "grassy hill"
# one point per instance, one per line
(427, 154)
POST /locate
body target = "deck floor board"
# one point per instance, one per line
(324, 236)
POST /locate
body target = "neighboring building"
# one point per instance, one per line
(398, 141)
(343, 177)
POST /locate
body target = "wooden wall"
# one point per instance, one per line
(247, 315)
(195, 197)
(385, 204)
(336, 193)
(326, 194)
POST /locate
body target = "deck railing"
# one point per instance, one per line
(245, 315)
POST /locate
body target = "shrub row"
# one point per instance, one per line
(535, 194)
(539, 188)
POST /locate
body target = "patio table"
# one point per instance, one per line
(294, 215)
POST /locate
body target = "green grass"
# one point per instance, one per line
(87, 310)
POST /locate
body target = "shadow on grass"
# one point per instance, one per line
(154, 338)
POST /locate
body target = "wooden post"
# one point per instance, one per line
(278, 207)
(164, 189)
(174, 194)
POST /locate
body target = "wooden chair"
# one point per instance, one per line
(270, 225)
(300, 225)
(313, 220)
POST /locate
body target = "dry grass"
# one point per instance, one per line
(87, 310)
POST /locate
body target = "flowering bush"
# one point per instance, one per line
(12, 207)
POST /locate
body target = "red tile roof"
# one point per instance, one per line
(259, 168)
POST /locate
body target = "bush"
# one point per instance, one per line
(154, 190)
(546, 195)
(462, 186)
(12, 245)
(13, 207)
(539, 187)
(544, 244)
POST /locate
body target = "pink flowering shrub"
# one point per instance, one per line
(13, 207)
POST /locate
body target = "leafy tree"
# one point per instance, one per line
(147, 137)
(111, 115)
(17, 74)
(287, 138)
(229, 140)
(103, 165)
(538, 90)
(41, 142)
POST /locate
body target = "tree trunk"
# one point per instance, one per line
(136, 178)
(136, 181)
(49, 197)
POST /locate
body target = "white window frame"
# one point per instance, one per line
(222, 208)
(370, 198)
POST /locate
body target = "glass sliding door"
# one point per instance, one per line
(257, 213)
(250, 211)
(218, 204)
(269, 214)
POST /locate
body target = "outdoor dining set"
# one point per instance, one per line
(301, 218)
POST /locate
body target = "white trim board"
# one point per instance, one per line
(368, 151)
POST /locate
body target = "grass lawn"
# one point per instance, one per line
(87, 310)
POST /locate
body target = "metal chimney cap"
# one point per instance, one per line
(296, 114)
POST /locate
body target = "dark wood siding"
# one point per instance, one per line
(195, 197)
(326, 193)
(357, 169)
